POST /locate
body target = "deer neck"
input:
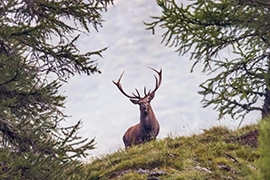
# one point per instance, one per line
(147, 119)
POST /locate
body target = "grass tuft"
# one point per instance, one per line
(213, 154)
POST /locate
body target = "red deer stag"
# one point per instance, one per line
(148, 128)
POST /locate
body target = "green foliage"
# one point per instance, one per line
(263, 162)
(214, 154)
(212, 29)
(38, 38)
(47, 31)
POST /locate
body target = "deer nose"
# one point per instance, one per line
(144, 107)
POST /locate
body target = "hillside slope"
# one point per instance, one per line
(217, 153)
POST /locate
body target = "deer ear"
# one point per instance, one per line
(134, 101)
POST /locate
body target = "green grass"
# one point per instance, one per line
(214, 154)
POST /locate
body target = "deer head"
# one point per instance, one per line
(148, 127)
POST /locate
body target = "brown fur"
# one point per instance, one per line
(148, 128)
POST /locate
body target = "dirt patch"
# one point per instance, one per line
(250, 138)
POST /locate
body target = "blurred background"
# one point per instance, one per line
(106, 113)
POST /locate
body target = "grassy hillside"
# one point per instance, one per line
(217, 153)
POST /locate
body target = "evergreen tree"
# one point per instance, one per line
(263, 162)
(37, 39)
(231, 39)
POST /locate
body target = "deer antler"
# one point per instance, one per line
(158, 80)
(118, 84)
(138, 96)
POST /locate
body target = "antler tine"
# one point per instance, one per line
(138, 94)
(144, 90)
(158, 81)
(118, 84)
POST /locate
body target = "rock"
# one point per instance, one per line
(142, 171)
(152, 174)
(157, 172)
(224, 167)
(202, 169)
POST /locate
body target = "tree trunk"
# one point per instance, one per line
(266, 104)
